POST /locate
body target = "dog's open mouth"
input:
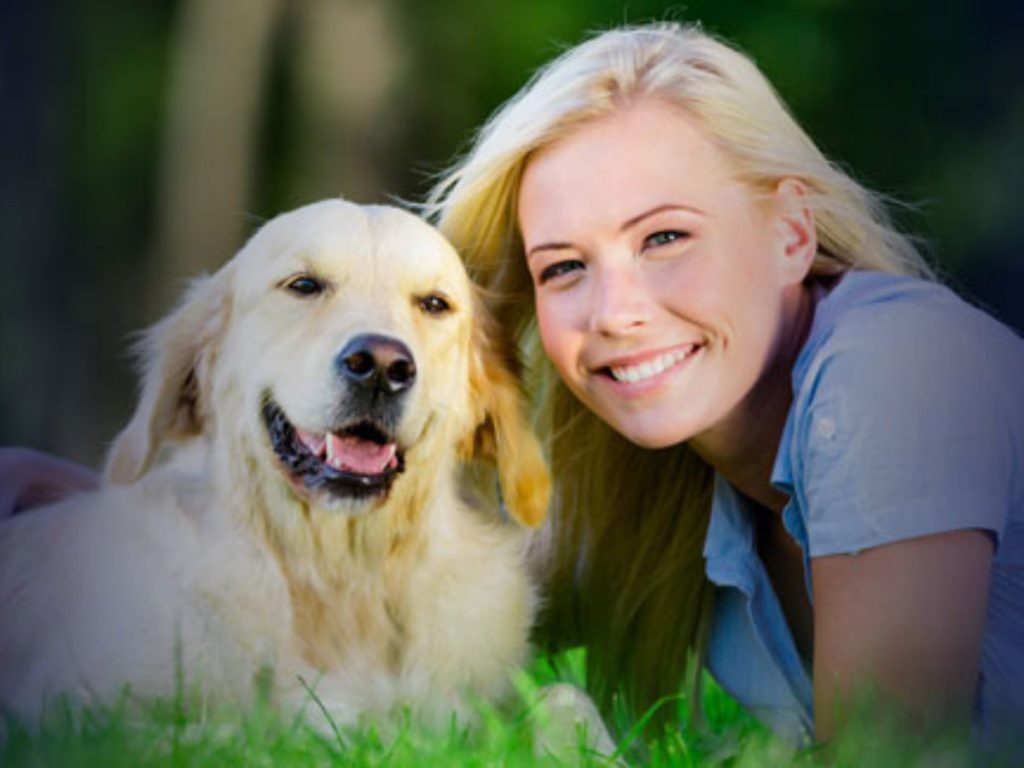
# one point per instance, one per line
(357, 461)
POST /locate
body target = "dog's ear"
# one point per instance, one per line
(176, 355)
(503, 433)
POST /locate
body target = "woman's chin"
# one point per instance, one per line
(651, 430)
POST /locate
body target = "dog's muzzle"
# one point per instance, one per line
(359, 458)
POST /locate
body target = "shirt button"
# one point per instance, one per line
(825, 428)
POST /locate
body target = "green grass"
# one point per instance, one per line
(164, 735)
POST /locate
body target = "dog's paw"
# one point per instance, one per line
(567, 726)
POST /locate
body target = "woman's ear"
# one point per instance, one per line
(795, 227)
(176, 355)
(503, 433)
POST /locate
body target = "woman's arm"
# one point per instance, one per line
(904, 619)
(30, 478)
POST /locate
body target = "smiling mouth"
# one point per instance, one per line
(648, 369)
(358, 461)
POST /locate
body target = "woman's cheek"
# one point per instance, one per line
(554, 327)
(546, 325)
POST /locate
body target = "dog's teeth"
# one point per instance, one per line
(332, 457)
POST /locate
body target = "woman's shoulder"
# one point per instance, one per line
(907, 416)
(897, 329)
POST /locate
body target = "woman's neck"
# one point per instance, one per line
(743, 447)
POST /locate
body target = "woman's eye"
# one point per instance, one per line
(664, 238)
(558, 269)
(433, 304)
(304, 285)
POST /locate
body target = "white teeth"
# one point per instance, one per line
(331, 458)
(635, 373)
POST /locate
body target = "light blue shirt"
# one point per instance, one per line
(907, 419)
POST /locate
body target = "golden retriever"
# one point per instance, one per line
(288, 496)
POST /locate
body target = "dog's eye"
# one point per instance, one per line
(433, 304)
(304, 285)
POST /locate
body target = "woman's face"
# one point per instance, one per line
(661, 283)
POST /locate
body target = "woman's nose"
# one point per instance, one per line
(621, 302)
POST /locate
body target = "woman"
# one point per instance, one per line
(781, 447)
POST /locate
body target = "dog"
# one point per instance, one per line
(288, 501)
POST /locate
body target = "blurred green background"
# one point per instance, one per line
(142, 141)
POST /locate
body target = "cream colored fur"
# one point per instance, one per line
(198, 548)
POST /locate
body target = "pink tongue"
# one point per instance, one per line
(362, 456)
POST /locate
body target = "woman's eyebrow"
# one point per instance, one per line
(548, 247)
(631, 222)
(634, 220)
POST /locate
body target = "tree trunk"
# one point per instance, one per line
(218, 77)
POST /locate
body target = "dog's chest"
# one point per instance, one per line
(353, 622)
(449, 623)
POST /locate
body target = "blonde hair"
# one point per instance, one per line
(623, 556)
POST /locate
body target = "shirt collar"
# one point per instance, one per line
(729, 544)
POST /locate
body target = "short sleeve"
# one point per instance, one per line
(902, 428)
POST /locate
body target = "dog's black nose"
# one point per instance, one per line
(378, 362)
